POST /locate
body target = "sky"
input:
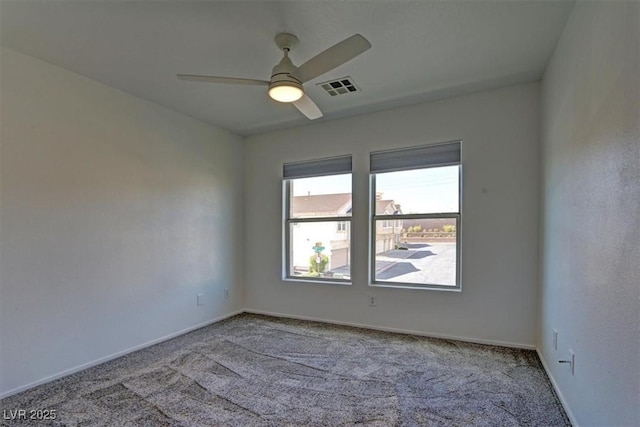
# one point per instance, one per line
(432, 190)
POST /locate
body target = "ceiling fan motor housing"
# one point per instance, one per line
(283, 72)
(282, 75)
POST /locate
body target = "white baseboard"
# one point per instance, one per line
(114, 355)
(397, 330)
(563, 401)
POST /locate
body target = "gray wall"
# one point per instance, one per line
(590, 246)
(115, 213)
(498, 302)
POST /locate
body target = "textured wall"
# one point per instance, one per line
(498, 302)
(115, 214)
(590, 280)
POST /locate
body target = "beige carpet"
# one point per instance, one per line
(261, 371)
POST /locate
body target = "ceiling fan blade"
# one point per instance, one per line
(308, 107)
(228, 80)
(329, 59)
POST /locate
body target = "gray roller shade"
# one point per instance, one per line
(443, 154)
(329, 166)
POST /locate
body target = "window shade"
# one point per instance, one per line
(330, 166)
(444, 154)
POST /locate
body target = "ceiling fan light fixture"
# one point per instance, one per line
(285, 91)
(285, 84)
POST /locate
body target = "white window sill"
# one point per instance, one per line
(419, 287)
(322, 282)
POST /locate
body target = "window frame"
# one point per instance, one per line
(288, 222)
(373, 217)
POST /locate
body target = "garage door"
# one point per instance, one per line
(339, 257)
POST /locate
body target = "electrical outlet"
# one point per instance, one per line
(555, 340)
(372, 301)
(226, 294)
(200, 300)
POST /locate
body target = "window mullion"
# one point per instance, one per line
(320, 219)
(417, 216)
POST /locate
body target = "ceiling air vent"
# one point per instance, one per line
(339, 86)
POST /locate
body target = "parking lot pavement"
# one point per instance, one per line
(431, 263)
(384, 261)
(423, 263)
(388, 259)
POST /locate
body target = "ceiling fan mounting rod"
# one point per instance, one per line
(286, 41)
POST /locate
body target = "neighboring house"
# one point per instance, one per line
(387, 231)
(335, 236)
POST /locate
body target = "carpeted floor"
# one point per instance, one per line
(255, 370)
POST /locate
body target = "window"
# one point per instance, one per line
(415, 221)
(317, 220)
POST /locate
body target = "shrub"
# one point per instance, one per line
(318, 267)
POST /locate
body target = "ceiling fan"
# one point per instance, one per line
(286, 80)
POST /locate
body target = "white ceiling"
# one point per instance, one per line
(422, 50)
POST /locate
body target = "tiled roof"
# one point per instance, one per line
(321, 205)
(385, 207)
(333, 205)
